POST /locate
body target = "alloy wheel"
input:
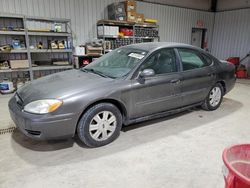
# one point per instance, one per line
(215, 96)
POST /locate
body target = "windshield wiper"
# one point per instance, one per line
(97, 72)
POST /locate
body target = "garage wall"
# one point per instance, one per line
(175, 23)
(83, 13)
(193, 4)
(231, 33)
(232, 4)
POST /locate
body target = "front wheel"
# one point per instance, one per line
(214, 98)
(100, 125)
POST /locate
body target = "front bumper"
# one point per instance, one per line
(42, 127)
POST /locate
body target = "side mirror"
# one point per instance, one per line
(147, 73)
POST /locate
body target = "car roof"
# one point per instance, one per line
(152, 46)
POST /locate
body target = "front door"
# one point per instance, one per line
(198, 37)
(160, 92)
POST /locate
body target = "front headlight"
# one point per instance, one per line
(43, 106)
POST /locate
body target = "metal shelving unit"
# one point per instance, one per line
(30, 35)
(130, 39)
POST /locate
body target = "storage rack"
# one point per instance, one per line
(31, 36)
(137, 37)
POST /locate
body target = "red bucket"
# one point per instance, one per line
(237, 162)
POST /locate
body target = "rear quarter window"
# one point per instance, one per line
(207, 59)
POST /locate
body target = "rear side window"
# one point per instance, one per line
(191, 59)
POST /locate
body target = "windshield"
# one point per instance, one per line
(117, 63)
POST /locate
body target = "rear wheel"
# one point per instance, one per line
(100, 125)
(214, 98)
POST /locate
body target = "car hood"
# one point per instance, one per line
(61, 85)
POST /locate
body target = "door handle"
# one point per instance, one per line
(175, 81)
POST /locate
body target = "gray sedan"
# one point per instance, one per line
(128, 85)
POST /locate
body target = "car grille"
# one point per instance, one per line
(19, 101)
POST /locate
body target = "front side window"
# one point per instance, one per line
(117, 63)
(191, 59)
(162, 62)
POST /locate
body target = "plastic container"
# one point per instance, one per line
(234, 60)
(6, 86)
(237, 162)
(241, 74)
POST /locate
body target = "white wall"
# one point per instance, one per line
(175, 23)
(231, 34)
(232, 4)
(194, 4)
(83, 13)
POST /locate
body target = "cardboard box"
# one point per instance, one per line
(140, 18)
(131, 16)
(116, 8)
(130, 5)
(116, 11)
(94, 50)
(19, 64)
(118, 17)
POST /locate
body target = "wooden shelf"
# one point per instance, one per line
(15, 52)
(56, 34)
(38, 68)
(124, 37)
(125, 23)
(44, 19)
(50, 50)
(89, 55)
(115, 22)
(14, 70)
(12, 32)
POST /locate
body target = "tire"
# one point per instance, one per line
(212, 104)
(100, 125)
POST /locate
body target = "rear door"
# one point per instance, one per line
(160, 92)
(198, 75)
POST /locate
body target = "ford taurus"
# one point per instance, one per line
(128, 85)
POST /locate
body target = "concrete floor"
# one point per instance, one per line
(178, 151)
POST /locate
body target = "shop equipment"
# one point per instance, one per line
(240, 69)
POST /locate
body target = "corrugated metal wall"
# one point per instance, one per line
(193, 4)
(175, 23)
(231, 34)
(83, 13)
